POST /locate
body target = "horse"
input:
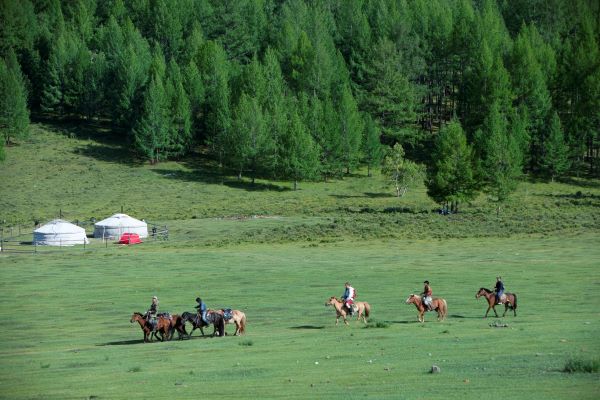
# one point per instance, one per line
(196, 321)
(177, 324)
(238, 318)
(438, 304)
(510, 302)
(163, 326)
(364, 309)
(214, 317)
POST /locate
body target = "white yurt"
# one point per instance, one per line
(59, 233)
(113, 227)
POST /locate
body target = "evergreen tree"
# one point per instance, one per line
(52, 93)
(531, 91)
(372, 149)
(14, 115)
(391, 98)
(450, 176)
(351, 129)
(152, 129)
(249, 146)
(194, 87)
(299, 154)
(179, 109)
(214, 69)
(555, 161)
(402, 172)
(501, 161)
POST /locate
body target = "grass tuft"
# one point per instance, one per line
(574, 365)
(377, 324)
(135, 369)
(246, 343)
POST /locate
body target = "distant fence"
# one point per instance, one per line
(19, 239)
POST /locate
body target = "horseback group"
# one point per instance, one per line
(424, 302)
(154, 323)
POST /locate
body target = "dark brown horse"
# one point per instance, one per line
(196, 320)
(163, 326)
(238, 318)
(437, 304)
(214, 317)
(177, 324)
(508, 299)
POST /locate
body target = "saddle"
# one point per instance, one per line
(227, 313)
(503, 298)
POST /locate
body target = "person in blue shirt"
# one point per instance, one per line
(348, 297)
(499, 289)
(201, 307)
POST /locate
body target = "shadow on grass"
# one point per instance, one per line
(256, 187)
(462, 316)
(122, 342)
(310, 327)
(368, 195)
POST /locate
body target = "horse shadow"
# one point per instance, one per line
(308, 327)
(122, 342)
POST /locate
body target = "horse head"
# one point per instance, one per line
(332, 300)
(482, 292)
(412, 299)
(135, 317)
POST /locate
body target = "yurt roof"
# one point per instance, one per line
(121, 220)
(59, 226)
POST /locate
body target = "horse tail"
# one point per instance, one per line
(243, 324)
(515, 303)
(367, 309)
(444, 309)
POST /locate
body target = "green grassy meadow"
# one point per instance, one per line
(67, 332)
(277, 255)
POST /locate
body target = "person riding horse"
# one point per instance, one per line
(499, 289)
(152, 311)
(426, 295)
(201, 307)
(348, 297)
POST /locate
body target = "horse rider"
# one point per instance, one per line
(499, 289)
(201, 307)
(426, 295)
(348, 297)
(152, 311)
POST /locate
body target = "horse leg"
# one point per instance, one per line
(505, 309)
(494, 308)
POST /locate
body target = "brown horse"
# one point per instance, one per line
(364, 309)
(177, 324)
(163, 326)
(437, 304)
(508, 299)
(238, 318)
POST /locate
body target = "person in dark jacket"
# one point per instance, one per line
(499, 289)
(152, 311)
(426, 295)
(201, 307)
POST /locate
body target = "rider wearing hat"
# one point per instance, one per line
(426, 295)
(499, 289)
(152, 311)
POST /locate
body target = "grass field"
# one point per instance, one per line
(67, 334)
(277, 255)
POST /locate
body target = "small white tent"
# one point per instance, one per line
(59, 233)
(113, 227)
